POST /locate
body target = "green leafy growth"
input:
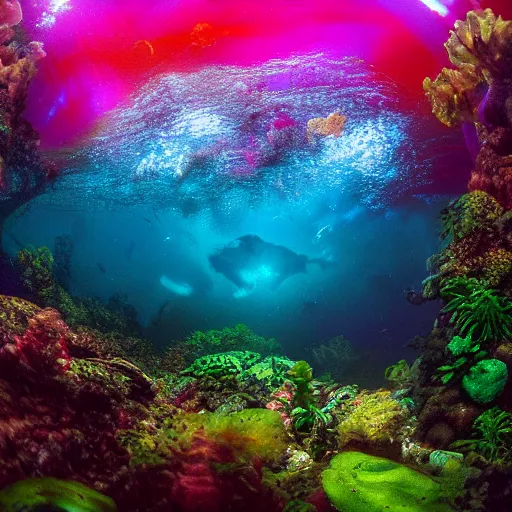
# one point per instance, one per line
(399, 373)
(38, 494)
(36, 269)
(467, 353)
(492, 436)
(305, 413)
(272, 372)
(476, 310)
(36, 266)
(476, 210)
(238, 338)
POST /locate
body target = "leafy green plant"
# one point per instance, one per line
(399, 373)
(476, 310)
(305, 413)
(467, 352)
(492, 436)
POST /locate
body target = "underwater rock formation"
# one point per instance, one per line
(22, 170)
(463, 388)
(479, 93)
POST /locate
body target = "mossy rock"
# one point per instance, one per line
(15, 313)
(357, 482)
(51, 494)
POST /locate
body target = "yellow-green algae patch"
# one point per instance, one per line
(357, 482)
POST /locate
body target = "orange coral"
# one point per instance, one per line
(333, 124)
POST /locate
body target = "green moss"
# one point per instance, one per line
(356, 482)
(37, 494)
(36, 267)
(485, 380)
(476, 210)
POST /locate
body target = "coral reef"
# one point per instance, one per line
(463, 388)
(23, 174)
(378, 422)
(479, 93)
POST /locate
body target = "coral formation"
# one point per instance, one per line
(333, 125)
(463, 387)
(378, 421)
(23, 173)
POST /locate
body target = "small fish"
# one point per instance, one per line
(147, 220)
(156, 217)
(102, 268)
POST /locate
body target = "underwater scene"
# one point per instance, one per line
(255, 255)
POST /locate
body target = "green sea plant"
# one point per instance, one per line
(492, 436)
(467, 353)
(305, 413)
(399, 373)
(477, 310)
(51, 494)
